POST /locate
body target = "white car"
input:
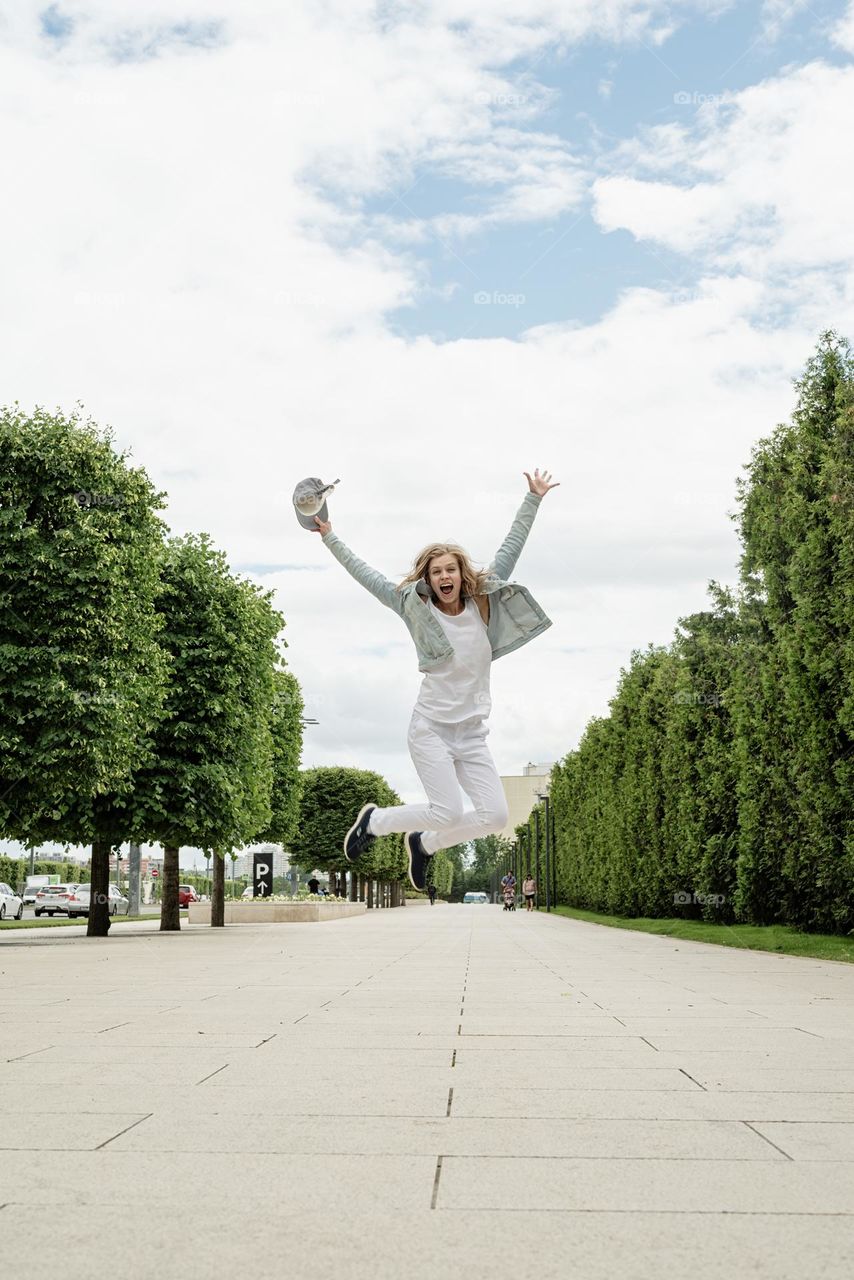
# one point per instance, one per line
(476, 897)
(52, 899)
(78, 902)
(10, 903)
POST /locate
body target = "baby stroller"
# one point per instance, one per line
(509, 898)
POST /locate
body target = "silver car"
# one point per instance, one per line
(78, 902)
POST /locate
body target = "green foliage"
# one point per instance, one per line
(211, 781)
(81, 671)
(456, 857)
(15, 871)
(721, 785)
(331, 798)
(442, 873)
(286, 731)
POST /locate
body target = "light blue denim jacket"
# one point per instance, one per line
(514, 615)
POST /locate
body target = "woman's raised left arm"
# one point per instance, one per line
(508, 553)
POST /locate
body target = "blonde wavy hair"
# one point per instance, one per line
(473, 581)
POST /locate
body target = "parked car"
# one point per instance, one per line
(186, 895)
(476, 897)
(52, 899)
(10, 903)
(31, 888)
(78, 902)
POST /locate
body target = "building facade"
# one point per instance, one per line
(521, 792)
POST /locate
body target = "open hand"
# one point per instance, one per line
(323, 526)
(540, 483)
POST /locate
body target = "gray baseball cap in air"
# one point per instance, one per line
(310, 500)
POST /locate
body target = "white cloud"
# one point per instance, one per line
(758, 183)
(191, 257)
(843, 32)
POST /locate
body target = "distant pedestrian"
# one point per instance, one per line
(431, 890)
(529, 890)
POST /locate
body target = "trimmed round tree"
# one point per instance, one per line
(210, 783)
(83, 674)
(331, 798)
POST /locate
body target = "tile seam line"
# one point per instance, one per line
(687, 1213)
(141, 1120)
(409, 1155)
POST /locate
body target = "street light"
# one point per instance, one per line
(544, 796)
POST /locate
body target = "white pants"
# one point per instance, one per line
(447, 757)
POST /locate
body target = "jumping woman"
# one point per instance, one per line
(461, 619)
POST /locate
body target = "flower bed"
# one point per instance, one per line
(278, 910)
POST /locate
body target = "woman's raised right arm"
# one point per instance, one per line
(371, 579)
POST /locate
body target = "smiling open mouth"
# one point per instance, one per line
(446, 591)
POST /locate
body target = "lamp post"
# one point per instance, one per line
(549, 852)
(537, 857)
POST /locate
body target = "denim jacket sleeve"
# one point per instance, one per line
(372, 579)
(511, 548)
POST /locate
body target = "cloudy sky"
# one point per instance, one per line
(424, 246)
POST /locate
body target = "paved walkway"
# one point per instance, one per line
(423, 1092)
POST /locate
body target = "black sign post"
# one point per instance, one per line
(262, 875)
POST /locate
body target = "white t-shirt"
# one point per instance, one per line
(458, 688)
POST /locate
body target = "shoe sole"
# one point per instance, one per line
(362, 812)
(419, 888)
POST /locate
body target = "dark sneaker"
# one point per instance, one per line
(359, 839)
(419, 860)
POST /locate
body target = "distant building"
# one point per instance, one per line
(521, 791)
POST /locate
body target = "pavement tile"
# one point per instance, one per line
(597, 1138)
(572, 1100)
(62, 1130)
(629, 1104)
(720, 1186)
(805, 1140)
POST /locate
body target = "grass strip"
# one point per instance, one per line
(779, 938)
(60, 923)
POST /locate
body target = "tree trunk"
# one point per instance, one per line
(218, 895)
(370, 894)
(99, 896)
(354, 887)
(170, 918)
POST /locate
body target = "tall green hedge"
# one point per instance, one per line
(14, 871)
(721, 784)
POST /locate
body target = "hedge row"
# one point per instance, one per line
(721, 784)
